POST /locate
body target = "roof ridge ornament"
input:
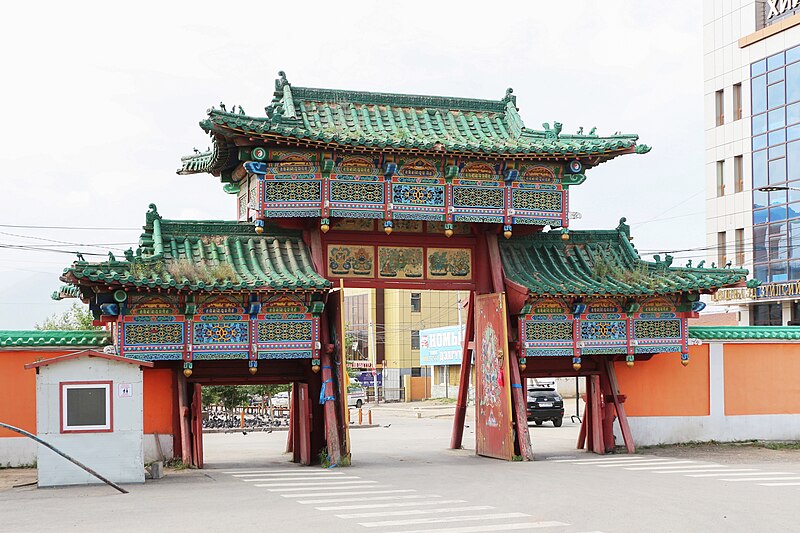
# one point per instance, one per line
(624, 228)
(509, 97)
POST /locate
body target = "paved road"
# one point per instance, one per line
(405, 479)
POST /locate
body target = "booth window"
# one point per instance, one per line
(86, 407)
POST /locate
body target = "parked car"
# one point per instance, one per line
(356, 396)
(281, 399)
(544, 403)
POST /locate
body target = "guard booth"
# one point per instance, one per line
(89, 405)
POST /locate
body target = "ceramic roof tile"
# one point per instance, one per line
(54, 338)
(206, 255)
(731, 333)
(389, 120)
(600, 263)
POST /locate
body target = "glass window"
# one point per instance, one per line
(760, 272)
(719, 99)
(776, 95)
(775, 75)
(777, 197)
(738, 177)
(739, 246)
(760, 216)
(416, 302)
(793, 132)
(760, 123)
(794, 213)
(777, 171)
(760, 243)
(759, 67)
(793, 54)
(793, 113)
(775, 61)
(777, 151)
(759, 169)
(793, 159)
(759, 94)
(766, 315)
(720, 178)
(777, 213)
(85, 407)
(777, 118)
(722, 251)
(737, 101)
(794, 271)
(776, 137)
(794, 240)
(793, 83)
(759, 142)
(794, 195)
(778, 271)
(415, 339)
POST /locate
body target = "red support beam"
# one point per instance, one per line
(463, 380)
(625, 429)
(596, 436)
(183, 411)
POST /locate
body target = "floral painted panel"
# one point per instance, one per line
(449, 263)
(351, 261)
(400, 262)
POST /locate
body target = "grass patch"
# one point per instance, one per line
(176, 464)
(767, 444)
(8, 466)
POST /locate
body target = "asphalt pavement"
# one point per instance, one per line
(404, 478)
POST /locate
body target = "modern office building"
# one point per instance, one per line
(752, 124)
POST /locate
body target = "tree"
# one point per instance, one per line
(76, 317)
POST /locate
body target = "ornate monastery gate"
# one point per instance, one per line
(337, 188)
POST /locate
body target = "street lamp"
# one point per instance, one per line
(774, 188)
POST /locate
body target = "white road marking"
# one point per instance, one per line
(463, 518)
(290, 475)
(659, 467)
(779, 484)
(605, 460)
(643, 463)
(761, 479)
(498, 527)
(351, 493)
(379, 505)
(306, 486)
(408, 512)
(363, 499)
(726, 473)
(298, 469)
(293, 479)
(709, 468)
(690, 468)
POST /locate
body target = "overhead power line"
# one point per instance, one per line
(92, 228)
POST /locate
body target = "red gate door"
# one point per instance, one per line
(492, 379)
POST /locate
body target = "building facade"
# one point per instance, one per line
(752, 164)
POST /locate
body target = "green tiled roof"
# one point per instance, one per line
(600, 263)
(732, 333)
(66, 291)
(54, 338)
(206, 255)
(403, 122)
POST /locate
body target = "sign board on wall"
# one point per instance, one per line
(775, 10)
(441, 346)
(766, 291)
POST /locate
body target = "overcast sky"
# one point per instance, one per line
(100, 103)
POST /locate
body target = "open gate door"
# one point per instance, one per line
(495, 436)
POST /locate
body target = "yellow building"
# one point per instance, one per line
(388, 321)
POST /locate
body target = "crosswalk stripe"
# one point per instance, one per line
(778, 484)
(465, 518)
(726, 473)
(604, 460)
(350, 493)
(293, 479)
(298, 469)
(306, 486)
(363, 499)
(486, 527)
(690, 468)
(696, 471)
(410, 512)
(659, 467)
(761, 479)
(648, 463)
(290, 475)
(379, 505)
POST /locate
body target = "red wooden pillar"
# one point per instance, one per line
(596, 435)
(303, 423)
(607, 412)
(625, 429)
(290, 436)
(183, 410)
(197, 425)
(331, 422)
(463, 380)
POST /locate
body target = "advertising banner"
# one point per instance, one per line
(441, 346)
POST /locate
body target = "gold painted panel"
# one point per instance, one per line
(353, 224)
(409, 226)
(351, 261)
(397, 262)
(449, 263)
